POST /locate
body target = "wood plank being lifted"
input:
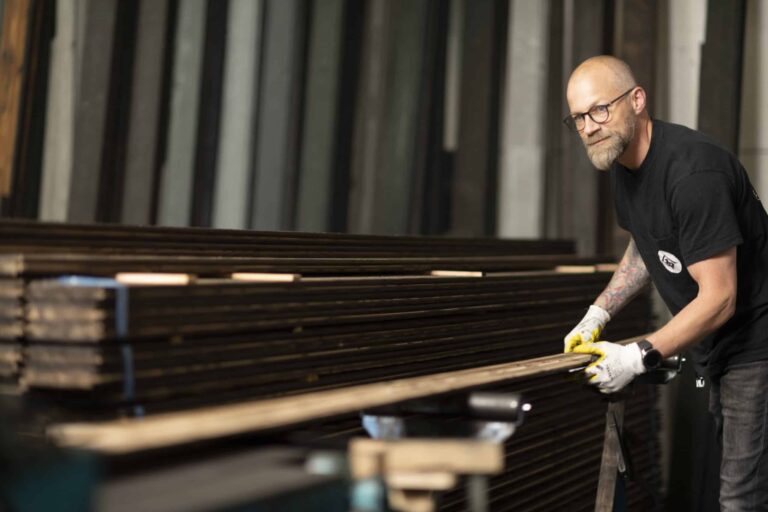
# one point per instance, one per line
(134, 435)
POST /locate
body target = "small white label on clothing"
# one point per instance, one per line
(670, 262)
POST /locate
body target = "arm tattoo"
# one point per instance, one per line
(628, 280)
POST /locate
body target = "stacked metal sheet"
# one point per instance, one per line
(161, 347)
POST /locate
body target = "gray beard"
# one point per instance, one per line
(603, 156)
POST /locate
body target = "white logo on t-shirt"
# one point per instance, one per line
(670, 262)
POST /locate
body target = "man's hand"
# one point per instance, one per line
(588, 329)
(616, 365)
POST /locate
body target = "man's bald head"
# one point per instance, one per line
(603, 75)
(607, 69)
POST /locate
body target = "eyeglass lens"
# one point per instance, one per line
(599, 114)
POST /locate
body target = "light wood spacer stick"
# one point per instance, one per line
(153, 278)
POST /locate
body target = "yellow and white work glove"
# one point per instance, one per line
(588, 329)
(616, 366)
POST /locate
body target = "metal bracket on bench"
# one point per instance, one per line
(441, 437)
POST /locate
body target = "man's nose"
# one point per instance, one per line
(590, 126)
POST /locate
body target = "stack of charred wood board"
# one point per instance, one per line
(262, 314)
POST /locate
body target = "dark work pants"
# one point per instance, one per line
(739, 402)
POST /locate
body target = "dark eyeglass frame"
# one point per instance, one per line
(572, 120)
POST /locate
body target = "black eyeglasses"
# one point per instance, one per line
(598, 113)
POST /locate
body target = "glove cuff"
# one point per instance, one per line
(599, 313)
(636, 358)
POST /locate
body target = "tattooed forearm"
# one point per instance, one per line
(628, 280)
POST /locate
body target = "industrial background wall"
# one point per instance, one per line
(359, 116)
(376, 116)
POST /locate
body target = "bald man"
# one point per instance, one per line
(700, 234)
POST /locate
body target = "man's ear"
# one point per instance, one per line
(638, 99)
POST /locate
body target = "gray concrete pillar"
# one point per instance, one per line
(397, 169)
(146, 92)
(316, 168)
(95, 33)
(383, 197)
(721, 71)
(238, 115)
(453, 76)
(370, 111)
(277, 133)
(58, 152)
(174, 204)
(687, 23)
(521, 174)
(474, 175)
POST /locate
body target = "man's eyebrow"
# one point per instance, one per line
(593, 105)
(582, 112)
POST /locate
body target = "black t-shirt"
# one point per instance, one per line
(690, 200)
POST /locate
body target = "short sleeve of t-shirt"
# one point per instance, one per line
(703, 207)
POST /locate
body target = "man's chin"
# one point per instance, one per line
(603, 161)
